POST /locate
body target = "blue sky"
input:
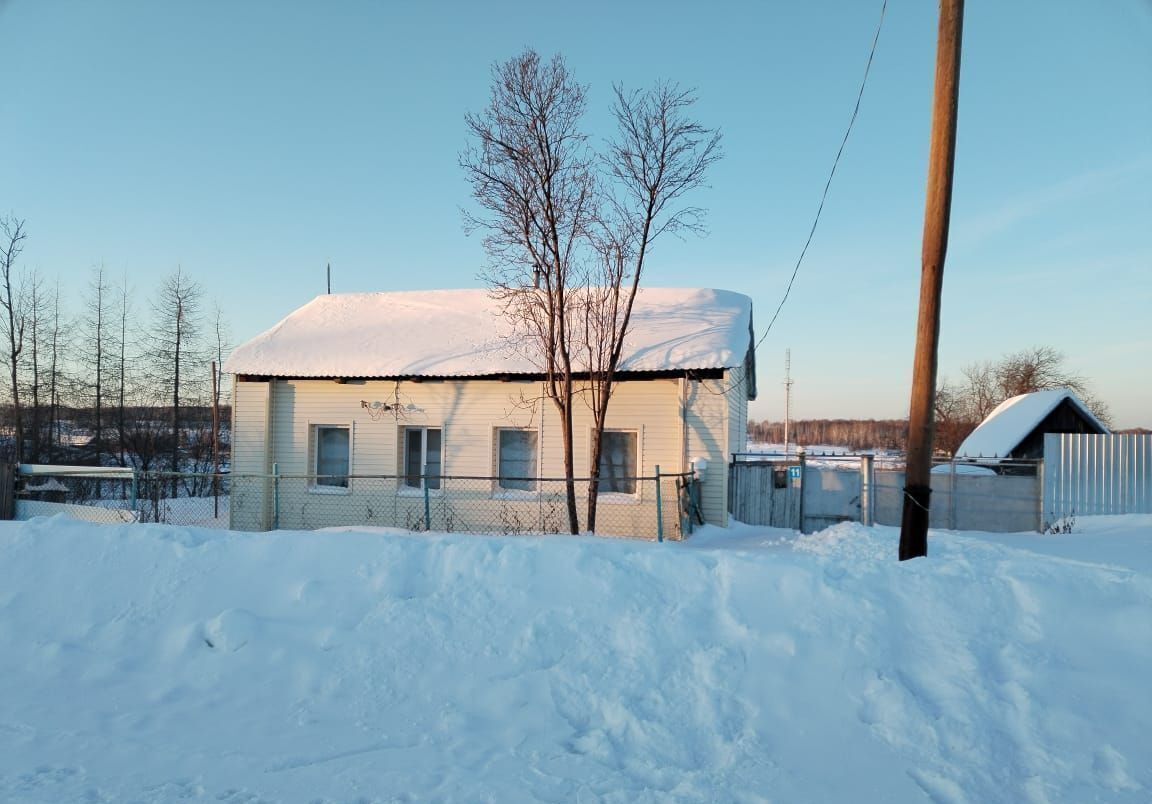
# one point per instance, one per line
(254, 142)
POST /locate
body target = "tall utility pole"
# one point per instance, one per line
(787, 396)
(215, 441)
(937, 209)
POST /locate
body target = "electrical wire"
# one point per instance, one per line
(831, 174)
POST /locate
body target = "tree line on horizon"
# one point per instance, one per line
(109, 382)
(857, 434)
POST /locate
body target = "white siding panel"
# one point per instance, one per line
(250, 502)
(707, 421)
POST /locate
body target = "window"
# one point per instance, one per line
(618, 462)
(516, 459)
(333, 455)
(422, 457)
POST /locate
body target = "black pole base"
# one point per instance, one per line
(914, 522)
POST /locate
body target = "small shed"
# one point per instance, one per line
(1015, 429)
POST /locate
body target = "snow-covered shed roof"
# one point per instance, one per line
(462, 333)
(1013, 420)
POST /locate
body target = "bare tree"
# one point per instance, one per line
(568, 245)
(222, 344)
(125, 306)
(11, 299)
(98, 352)
(56, 349)
(38, 316)
(1038, 368)
(659, 154)
(960, 408)
(175, 352)
(532, 177)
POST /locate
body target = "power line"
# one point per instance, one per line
(828, 184)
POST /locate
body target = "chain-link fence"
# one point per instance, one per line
(664, 507)
(123, 495)
(657, 507)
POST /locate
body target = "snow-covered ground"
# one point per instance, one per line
(159, 663)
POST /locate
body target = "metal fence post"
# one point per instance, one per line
(134, 491)
(800, 502)
(659, 509)
(1040, 478)
(952, 493)
(275, 496)
(427, 506)
(867, 475)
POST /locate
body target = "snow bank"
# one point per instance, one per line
(156, 663)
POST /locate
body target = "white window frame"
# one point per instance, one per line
(498, 488)
(402, 486)
(314, 429)
(603, 496)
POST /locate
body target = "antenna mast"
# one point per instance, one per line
(787, 396)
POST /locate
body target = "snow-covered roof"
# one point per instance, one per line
(1012, 421)
(461, 333)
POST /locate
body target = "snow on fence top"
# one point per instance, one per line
(460, 333)
(1013, 419)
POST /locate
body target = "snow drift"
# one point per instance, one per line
(156, 663)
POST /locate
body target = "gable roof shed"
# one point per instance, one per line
(1015, 429)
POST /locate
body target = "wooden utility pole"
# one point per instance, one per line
(937, 209)
(215, 442)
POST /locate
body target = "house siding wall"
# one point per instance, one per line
(737, 412)
(249, 499)
(469, 412)
(707, 421)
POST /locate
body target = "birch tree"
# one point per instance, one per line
(568, 234)
(532, 178)
(122, 314)
(98, 352)
(12, 236)
(39, 338)
(175, 352)
(659, 155)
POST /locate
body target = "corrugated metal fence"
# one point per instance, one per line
(817, 491)
(1097, 474)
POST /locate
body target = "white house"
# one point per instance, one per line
(425, 408)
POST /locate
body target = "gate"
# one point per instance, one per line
(832, 493)
(766, 492)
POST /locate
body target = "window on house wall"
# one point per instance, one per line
(516, 459)
(618, 465)
(333, 453)
(422, 461)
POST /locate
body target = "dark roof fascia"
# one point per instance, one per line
(623, 376)
(750, 359)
